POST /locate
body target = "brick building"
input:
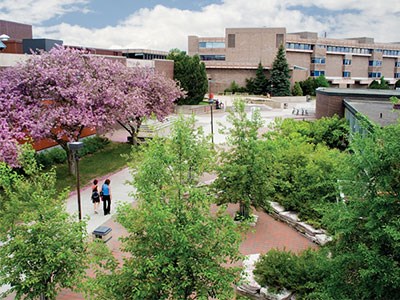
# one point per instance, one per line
(346, 63)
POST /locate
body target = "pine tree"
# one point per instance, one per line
(280, 83)
(260, 82)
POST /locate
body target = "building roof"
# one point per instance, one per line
(367, 93)
(379, 112)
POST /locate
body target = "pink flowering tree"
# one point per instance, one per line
(156, 94)
(57, 94)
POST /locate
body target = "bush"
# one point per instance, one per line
(54, 156)
(301, 274)
(93, 144)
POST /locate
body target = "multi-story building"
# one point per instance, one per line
(346, 63)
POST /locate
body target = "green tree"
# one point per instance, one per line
(178, 248)
(308, 86)
(381, 85)
(366, 248)
(320, 81)
(397, 84)
(43, 248)
(250, 85)
(191, 74)
(280, 77)
(297, 91)
(241, 174)
(260, 83)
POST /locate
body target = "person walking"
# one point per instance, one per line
(95, 196)
(106, 198)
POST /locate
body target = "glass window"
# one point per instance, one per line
(396, 75)
(316, 73)
(347, 61)
(374, 75)
(397, 64)
(231, 40)
(375, 63)
(211, 45)
(279, 40)
(318, 60)
(212, 57)
(346, 74)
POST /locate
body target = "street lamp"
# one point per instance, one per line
(211, 102)
(75, 147)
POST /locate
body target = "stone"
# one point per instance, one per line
(283, 295)
(306, 228)
(248, 285)
(277, 208)
(322, 239)
(290, 217)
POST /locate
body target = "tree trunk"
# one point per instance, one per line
(244, 210)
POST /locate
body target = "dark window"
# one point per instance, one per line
(231, 41)
(279, 39)
(346, 74)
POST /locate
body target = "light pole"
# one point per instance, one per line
(211, 102)
(75, 147)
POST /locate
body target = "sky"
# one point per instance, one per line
(166, 24)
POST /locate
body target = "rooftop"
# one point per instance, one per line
(379, 112)
(367, 93)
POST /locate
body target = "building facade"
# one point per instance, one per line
(346, 63)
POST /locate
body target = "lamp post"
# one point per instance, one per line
(75, 147)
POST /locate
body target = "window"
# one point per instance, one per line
(375, 63)
(212, 57)
(318, 60)
(231, 40)
(374, 74)
(316, 73)
(397, 64)
(346, 74)
(396, 75)
(279, 40)
(347, 61)
(213, 45)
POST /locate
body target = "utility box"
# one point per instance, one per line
(103, 233)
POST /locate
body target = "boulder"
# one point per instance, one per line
(283, 295)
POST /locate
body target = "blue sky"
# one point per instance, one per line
(162, 25)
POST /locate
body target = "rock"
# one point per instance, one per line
(248, 285)
(322, 239)
(290, 217)
(284, 295)
(306, 228)
(277, 208)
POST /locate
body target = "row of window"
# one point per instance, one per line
(374, 74)
(375, 63)
(299, 46)
(316, 73)
(212, 57)
(212, 45)
(347, 74)
(342, 49)
(347, 61)
(318, 60)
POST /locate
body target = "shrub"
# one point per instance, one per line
(298, 273)
(54, 156)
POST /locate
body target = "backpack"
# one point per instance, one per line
(95, 195)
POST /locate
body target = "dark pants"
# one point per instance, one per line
(106, 204)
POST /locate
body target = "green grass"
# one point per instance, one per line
(108, 160)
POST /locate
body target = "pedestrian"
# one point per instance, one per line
(95, 196)
(106, 191)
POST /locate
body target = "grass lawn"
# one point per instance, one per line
(108, 160)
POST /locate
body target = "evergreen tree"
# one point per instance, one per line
(297, 91)
(260, 82)
(280, 83)
(191, 74)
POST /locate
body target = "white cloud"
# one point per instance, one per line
(165, 28)
(36, 11)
